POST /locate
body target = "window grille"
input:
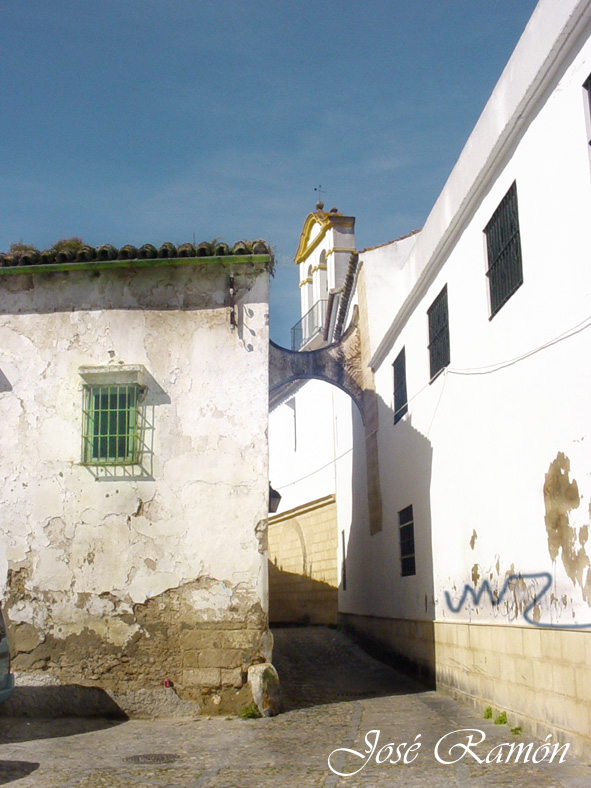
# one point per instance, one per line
(407, 542)
(110, 434)
(400, 398)
(438, 333)
(505, 272)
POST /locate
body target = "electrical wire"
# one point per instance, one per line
(307, 476)
(584, 324)
(487, 370)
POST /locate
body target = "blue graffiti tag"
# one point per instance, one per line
(496, 600)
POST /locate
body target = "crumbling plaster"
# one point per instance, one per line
(87, 549)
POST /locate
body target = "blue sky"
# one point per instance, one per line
(134, 121)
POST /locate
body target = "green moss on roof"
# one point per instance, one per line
(66, 252)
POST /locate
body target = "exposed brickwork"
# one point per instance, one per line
(202, 655)
(303, 573)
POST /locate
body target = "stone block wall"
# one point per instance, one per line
(541, 677)
(303, 572)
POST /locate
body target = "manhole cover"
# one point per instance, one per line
(153, 757)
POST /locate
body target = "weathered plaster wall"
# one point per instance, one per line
(124, 578)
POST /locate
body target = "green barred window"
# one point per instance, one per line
(110, 433)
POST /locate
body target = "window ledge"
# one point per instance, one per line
(123, 374)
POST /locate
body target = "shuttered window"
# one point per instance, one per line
(400, 398)
(503, 245)
(438, 333)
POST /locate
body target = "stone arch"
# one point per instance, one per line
(339, 364)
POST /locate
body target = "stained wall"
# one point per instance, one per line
(121, 577)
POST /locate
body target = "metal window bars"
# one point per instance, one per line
(407, 541)
(110, 433)
(309, 325)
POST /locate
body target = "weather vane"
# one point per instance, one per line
(319, 189)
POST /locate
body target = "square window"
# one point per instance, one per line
(110, 433)
(407, 542)
(400, 398)
(438, 333)
(505, 272)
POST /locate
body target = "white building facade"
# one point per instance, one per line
(478, 333)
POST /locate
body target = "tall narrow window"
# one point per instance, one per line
(110, 425)
(587, 86)
(407, 542)
(344, 563)
(322, 278)
(503, 245)
(438, 333)
(400, 399)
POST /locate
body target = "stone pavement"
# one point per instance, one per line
(335, 695)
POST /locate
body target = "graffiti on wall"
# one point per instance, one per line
(540, 584)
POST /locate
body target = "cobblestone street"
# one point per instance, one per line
(334, 694)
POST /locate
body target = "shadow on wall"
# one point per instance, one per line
(5, 384)
(66, 700)
(386, 592)
(298, 599)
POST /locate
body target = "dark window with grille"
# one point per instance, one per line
(503, 246)
(400, 399)
(438, 333)
(344, 564)
(587, 86)
(407, 542)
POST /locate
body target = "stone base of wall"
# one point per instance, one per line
(303, 576)
(407, 644)
(541, 678)
(182, 652)
(44, 697)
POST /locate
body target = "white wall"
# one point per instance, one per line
(473, 452)
(387, 280)
(304, 442)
